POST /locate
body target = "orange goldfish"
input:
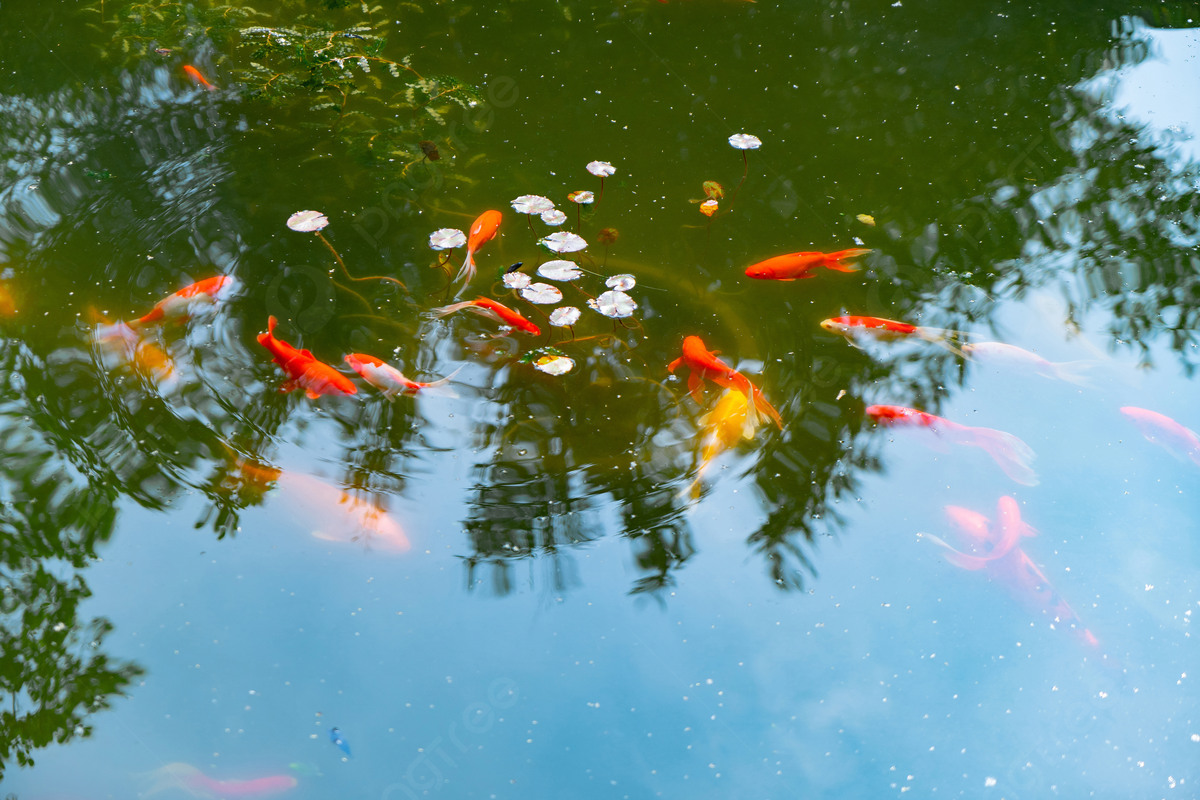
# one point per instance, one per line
(127, 346)
(1166, 432)
(493, 311)
(185, 303)
(392, 382)
(8, 304)
(1007, 450)
(303, 369)
(705, 365)
(1010, 355)
(195, 75)
(795, 266)
(724, 427)
(483, 229)
(1007, 563)
(197, 784)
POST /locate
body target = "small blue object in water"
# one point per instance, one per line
(335, 736)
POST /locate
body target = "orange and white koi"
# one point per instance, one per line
(120, 341)
(1018, 358)
(483, 229)
(1007, 450)
(1165, 432)
(801, 265)
(197, 784)
(189, 300)
(492, 310)
(1007, 563)
(706, 366)
(303, 369)
(195, 75)
(391, 381)
(724, 426)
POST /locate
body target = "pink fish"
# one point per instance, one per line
(1008, 564)
(1164, 431)
(197, 784)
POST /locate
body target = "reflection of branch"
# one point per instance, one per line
(342, 264)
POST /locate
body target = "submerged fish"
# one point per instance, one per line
(492, 310)
(392, 382)
(706, 366)
(185, 303)
(304, 370)
(195, 75)
(8, 303)
(1006, 563)
(795, 266)
(1007, 450)
(723, 427)
(127, 346)
(1166, 432)
(1018, 358)
(886, 330)
(197, 784)
(336, 515)
(483, 230)
(335, 736)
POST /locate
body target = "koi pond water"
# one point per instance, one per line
(699, 398)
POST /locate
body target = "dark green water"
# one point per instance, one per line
(543, 607)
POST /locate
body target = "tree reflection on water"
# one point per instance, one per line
(557, 463)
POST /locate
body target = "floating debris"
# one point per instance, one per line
(430, 150)
(543, 294)
(615, 305)
(744, 141)
(708, 207)
(554, 217)
(563, 242)
(560, 270)
(565, 316)
(866, 219)
(307, 221)
(713, 190)
(532, 204)
(447, 239)
(622, 283)
(600, 168)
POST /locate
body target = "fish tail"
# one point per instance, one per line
(941, 338)
(761, 404)
(467, 272)
(834, 261)
(447, 310)
(441, 387)
(1073, 372)
(1013, 455)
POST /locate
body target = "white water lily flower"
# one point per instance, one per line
(600, 168)
(447, 239)
(565, 317)
(614, 304)
(541, 293)
(307, 221)
(564, 242)
(622, 283)
(554, 217)
(517, 280)
(554, 365)
(582, 198)
(560, 270)
(533, 204)
(744, 141)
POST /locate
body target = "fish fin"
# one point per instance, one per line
(311, 395)
(836, 267)
(288, 386)
(1073, 372)
(441, 387)
(674, 365)
(761, 404)
(1009, 452)
(956, 558)
(788, 280)
(450, 309)
(307, 354)
(940, 338)
(696, 387)
(467, 272)
(271, 323)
